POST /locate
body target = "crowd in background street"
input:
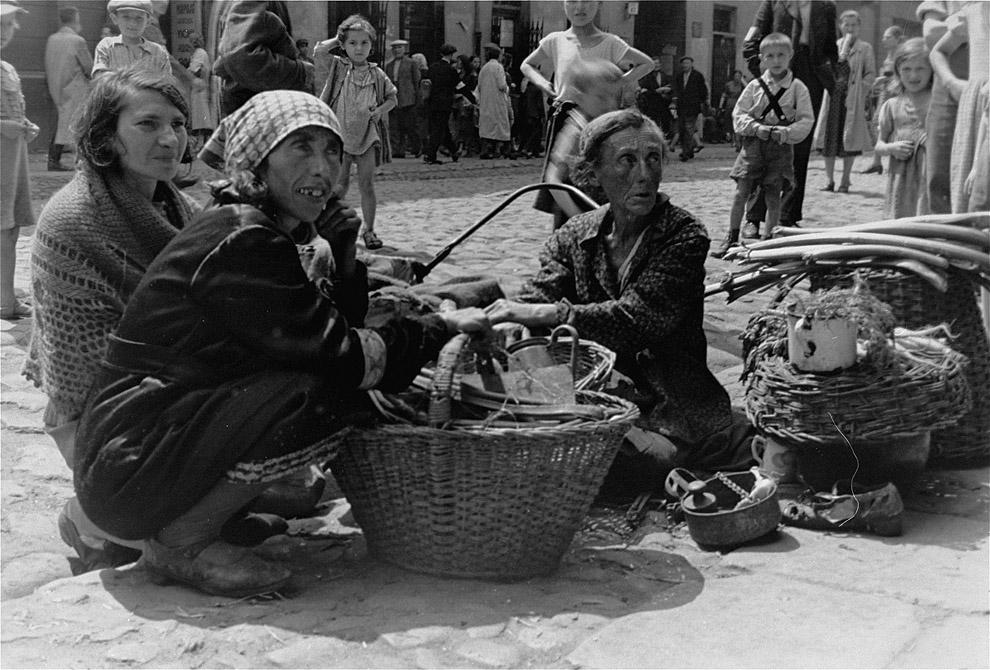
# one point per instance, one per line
(933, 126)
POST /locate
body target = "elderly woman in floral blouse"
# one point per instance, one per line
(630, 275)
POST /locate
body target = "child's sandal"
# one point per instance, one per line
(371, 240)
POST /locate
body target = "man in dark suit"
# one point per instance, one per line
(404, 73)
(443, 84)
(655, 96)
(811, 26)
(691, 92)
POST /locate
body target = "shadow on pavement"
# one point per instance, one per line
(347, 595)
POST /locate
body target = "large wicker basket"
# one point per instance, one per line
(473, 500)
(916, 304)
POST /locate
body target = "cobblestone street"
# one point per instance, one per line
(800, 599)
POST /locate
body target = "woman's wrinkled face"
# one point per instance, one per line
(151, 137)
(357, 44)
(915, 73)
(630, 168)
(580, 12)
(131, 22)
(301, 173)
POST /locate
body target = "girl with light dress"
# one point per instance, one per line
(361, 95)
(902, 131)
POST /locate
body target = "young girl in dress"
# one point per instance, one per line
(563, 54)
(902, 131)
(361, 95)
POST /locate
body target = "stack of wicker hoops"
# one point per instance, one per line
(497, 497)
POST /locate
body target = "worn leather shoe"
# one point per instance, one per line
(214, 567)
(849, 507)
(750, 230)
(730, 240)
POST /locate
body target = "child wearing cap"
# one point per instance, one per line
(772, 114)
(130, 48)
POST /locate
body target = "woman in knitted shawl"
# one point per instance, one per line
(95, 239)
(232, 366)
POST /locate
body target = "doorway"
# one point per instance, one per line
(723, 49)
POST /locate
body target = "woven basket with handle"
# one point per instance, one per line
(478, 500)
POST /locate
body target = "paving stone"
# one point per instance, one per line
(773, 622)
(490, 653)
(888, 566)
(26, 400)
(415, 637)
(427, 659)
(543, 635)
(132, 652)
(307, 652)
(958, 641)
(24, 574)
(486, 632)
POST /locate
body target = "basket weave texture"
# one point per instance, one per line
(916, 304)
(860, 403)
(478, 501)
(594, 362)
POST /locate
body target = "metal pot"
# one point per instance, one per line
(722, 525)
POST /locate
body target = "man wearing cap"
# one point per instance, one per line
(691, 92)
(130, 48)
(443, 84)
(68, 64)
(404, 73)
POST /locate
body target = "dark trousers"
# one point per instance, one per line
(532, 137)
(687, 124)
(402, 130)
(439, 133)
(793, 200)
(941, 125)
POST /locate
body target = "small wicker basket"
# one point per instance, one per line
(474, 500)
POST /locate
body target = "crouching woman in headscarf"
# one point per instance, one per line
(630, 275)
(233, 367)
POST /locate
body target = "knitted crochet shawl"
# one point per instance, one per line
(94, 241)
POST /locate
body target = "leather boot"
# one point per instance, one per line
(214, 567)
(731, 239)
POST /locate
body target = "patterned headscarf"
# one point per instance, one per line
(246, 137)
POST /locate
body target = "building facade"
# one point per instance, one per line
(711, 32)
